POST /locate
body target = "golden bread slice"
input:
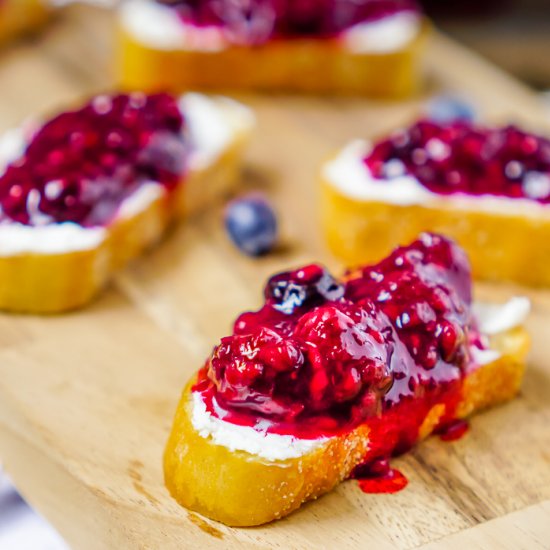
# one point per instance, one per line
(148, 61)
(334, 374)
(240, 489)
(38, 275)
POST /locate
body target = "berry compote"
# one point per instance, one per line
(257, 21)
(460, 157)
(81, 165)
(322, 356)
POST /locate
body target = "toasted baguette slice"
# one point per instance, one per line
(302, 65)
(241, 489)
(38, 276)
(19, 16)
(500, 239)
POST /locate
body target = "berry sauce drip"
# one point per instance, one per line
(379, 477)
(79, 166)
(257, 21)
(454, 430)
(459, 157)
(322, 356)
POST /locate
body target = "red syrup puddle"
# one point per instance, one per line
(379, 477)
(453, 431)
(393, 482)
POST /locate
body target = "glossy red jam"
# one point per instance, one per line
(256, 21)
(459, 157)
(453, 430)
(79, 166)
(379, 477)
(323, 356)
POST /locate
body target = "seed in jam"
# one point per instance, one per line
(80, 165)
(460, 157)
(256, 21)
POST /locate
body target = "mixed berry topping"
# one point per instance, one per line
(425, 291)
(256, 21)
(322, 356)
(459, 157)
(79, 166)
(379, 477)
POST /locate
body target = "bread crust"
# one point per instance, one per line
(498, 244)
(241, 489)
(298, 65)
(53, 283)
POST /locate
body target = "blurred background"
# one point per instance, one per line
(20, 527)
(513, 34)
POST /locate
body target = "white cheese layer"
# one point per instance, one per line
(386, 35)
(145, 195)
(495, 319)
(159, 27)
(349, 175)
(211, 125)
(244, 438)
(58, 238)
(492, 318)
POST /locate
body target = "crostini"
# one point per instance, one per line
(330, 378)
(488, 188)
(367, 47)
(93, 187)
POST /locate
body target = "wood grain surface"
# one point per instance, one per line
(86, 399)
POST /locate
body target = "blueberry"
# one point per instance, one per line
(446, 108)
(251, 224)
(310, 286)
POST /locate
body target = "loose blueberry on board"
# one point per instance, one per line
(251, 224)
(446, 108)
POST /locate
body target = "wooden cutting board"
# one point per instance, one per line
(86, 399)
